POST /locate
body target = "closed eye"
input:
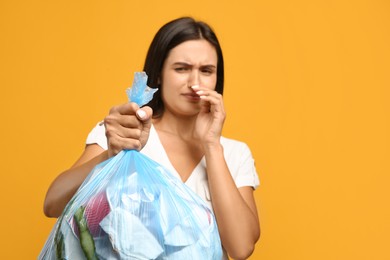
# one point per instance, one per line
(182, 69)
(208, 70)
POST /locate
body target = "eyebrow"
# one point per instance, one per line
(180, 63)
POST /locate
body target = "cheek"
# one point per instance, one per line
(211, 83)
(175, 82)
(170, 88)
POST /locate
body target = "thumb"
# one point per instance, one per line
(144, 114)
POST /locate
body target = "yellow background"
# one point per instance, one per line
(307, 87)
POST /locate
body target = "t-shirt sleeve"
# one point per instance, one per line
(246, 172)
(98, 136)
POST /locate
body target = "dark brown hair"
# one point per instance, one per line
(169, 36)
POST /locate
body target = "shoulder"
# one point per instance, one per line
(236, 152)
(98, 136)
(240, 162)
(232, 146)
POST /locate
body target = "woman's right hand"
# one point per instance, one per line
(127, 127)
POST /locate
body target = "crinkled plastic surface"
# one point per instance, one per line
(140, 93)
(130, 207)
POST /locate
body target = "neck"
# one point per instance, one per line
(178, 126)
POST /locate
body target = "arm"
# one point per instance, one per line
(234, 208)
(66, 184)
(127, 127)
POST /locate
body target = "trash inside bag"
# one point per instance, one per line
(130, 207)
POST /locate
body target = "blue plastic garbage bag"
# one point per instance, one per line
(130, 207)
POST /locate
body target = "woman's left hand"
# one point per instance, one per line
(209, 122)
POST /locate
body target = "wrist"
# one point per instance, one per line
(213, 148)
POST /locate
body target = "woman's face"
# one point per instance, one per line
(190, 63)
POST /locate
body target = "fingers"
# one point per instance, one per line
(128, 115)
(118, 144)
(212, 101)
(125, 109)
(127, 127)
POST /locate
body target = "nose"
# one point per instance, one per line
(194, 78)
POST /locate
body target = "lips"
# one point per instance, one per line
(192, 96)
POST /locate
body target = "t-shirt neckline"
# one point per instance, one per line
(165, 159)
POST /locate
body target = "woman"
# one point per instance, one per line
(181, 129)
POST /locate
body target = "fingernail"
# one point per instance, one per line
(195, 86)
(141, 114)
(200, 92)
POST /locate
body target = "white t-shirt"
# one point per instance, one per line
(237, 155)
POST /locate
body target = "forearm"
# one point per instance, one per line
(237, 221)
(66, 184)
